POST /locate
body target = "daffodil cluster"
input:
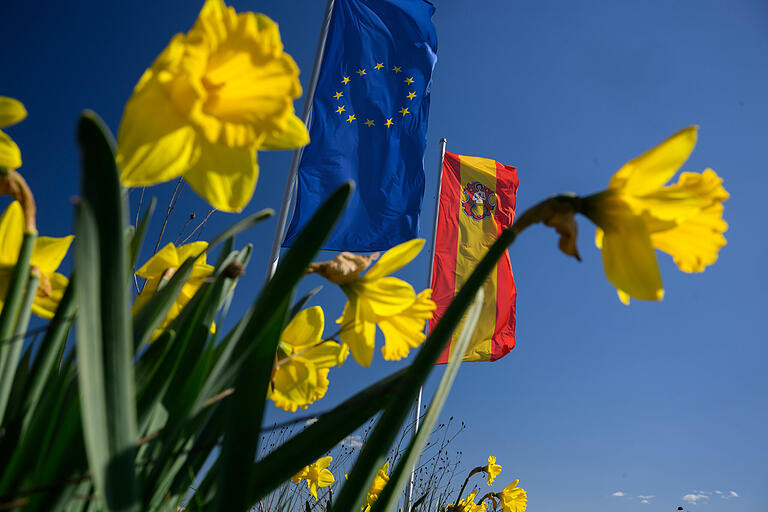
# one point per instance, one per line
(316, 475)
(379, 482)
(511, 499)
(376, 298)
(300, 375)
(211, 99)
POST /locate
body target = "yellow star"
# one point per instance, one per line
(397, 69)
(409, 80)
(389, 123)
(404, 111)
(345, 80)
(351, 118)
(340, 109)
(361, 72)
(338, 95)
(369, 123)
(379, 65)
(411, 95)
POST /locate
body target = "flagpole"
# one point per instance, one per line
(417, 410)
(282, 217)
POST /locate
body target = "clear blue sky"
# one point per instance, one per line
(656, 399)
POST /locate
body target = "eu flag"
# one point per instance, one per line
(369, 123)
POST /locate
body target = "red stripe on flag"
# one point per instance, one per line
(446, 242)
(506, 293)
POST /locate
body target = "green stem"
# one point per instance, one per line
(15, 318)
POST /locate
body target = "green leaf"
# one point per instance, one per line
(400, 474)
(252, 367)
(103, 193)
(10, 347)
(374, 452)
(322, 435)
(302, 302)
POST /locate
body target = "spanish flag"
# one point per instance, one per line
(477, 202)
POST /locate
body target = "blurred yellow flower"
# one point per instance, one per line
(376, 298)
(316, 475)
(381, 479)
(11, 112)
(492, 469)
(162, 266)
(513, 498)
(301, 373)
(468, 504)
(210, 100)
(46, 257)
(638, 213)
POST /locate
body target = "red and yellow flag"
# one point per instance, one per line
(477, 202)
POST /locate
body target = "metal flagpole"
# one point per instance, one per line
(282, 217)
(417, 411)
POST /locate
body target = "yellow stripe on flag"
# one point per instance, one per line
(475, 237)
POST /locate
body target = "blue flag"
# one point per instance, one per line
(369, 123)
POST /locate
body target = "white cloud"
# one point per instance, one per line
(646, 500)
(718, 492)
(618, 493)
(353, 441)
(733, 494)
(693, 499)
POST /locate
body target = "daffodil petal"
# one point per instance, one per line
(295, 135)
(12, 111)
(10, 154)
(324, 355)
(358, 330)
(395, 259)
(295, 381)
(11, 233)
(305, 328)
(651, 170)
(694, 244)
(385, 296)
(224, 177)
(191, 250)
(323, 462)
(155, 143)
(45, 307)
(49, 252)
(165, 258)
(406, 330)
(629, 259)
(692, 193)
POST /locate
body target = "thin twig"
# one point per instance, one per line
(171, 205)
(199, 226)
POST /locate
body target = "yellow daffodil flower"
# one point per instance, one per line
(377, 298)
(468, 504)
(11, 112)
(638, 213)
(210, 100)
(162, 266)
(301, 373)
(316, 475)
(513, 498)
(46, 257)
(379, 482)
(492, 469)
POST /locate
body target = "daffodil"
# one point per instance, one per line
(468, 504)
(639, 212)
(162, 266)
(379, 482)
(11, 112)
(316, 475)
(513, 498)
(379, 299)
(492, 469)
(301, 372)
(211, 99)
(46, 257)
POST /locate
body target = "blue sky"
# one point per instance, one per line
(657, 399)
